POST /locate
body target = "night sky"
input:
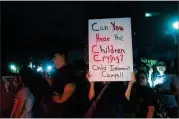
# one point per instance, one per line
(41, 28)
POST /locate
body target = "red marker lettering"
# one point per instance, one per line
(94, 51)
(96, 59)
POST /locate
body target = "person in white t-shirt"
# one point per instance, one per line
(24, 100)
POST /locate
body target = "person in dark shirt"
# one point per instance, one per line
(111, 103)
(82, 89)
(141, 97)
(167, 87)
(64, 89)
(39, 88)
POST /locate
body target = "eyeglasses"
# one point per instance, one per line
(161, 64)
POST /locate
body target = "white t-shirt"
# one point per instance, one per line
(25, 93)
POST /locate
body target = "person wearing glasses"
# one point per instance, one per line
(167, 87)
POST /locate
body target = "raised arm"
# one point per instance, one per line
(91, 90)
(130, 85)
(150, 77)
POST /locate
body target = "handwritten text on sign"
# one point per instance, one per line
(110, 49)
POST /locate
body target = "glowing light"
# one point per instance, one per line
(49, 67)
(176, 25)
(150, 83)
(158, 81)
(33, 65)
(148, 15)
(39, 69)
(13, 67)
(30, 65)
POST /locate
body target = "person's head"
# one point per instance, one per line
(59, 60)
(143, 67)
(161, 66)
(27, 75)
(141, 78)
(15, 84)
(135, 69)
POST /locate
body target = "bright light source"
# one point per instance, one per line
(148, 14)
(30, 65)
(33, 65)
(158, 81)
(49, 67)
(39, 69)
(13, 67)
(176, 25)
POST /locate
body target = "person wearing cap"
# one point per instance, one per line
(167, 87)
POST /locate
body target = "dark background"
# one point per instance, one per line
(38, 29)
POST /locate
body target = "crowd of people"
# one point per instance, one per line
(147, 94)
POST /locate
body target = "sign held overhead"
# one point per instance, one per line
(110, 49)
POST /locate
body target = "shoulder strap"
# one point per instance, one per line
(102, 92)
(93, 106)
(29, 97)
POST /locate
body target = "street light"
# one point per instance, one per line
(13, 67)
(148, 14)
(152, 14)
(30, 65)
(49, 68)
(39, 69)
(176, 25)
(173, 29)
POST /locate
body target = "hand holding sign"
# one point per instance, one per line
(150, 71)
(88, 76)
(133, 79)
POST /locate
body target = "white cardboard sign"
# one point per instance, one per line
(110, 49)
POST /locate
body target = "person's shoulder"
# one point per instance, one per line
(98, 85)
(67, 69)
(23, 92)
(172, 77)
(145, 90)
(23, 89)
(70, 68)
(118, 85)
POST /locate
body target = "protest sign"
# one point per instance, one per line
(110, 49)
